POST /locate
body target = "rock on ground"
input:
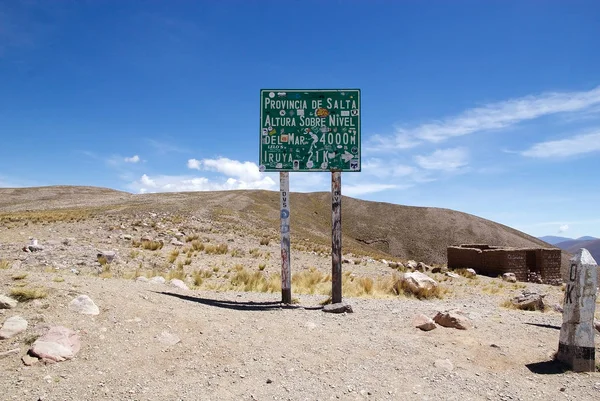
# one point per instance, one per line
(444, 364)
(417, 281)
(84, 305)
(423, 322)
(509, 277)
(7, 302)
(12, 326)
(179, 284)
(58, 344)
(411, 264)
(452, 319)
(167, 338)
(157, 280)
(340, 307)
(529, 301)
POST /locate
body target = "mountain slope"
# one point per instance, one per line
(553, 240)
(381, 229)
(593, 246)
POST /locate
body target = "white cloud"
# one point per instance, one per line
(576, 145)
(184, 183)
(133, 159)
(193, 164)
(444, 159)
(563, 228)
(362, 189)
(244, 171)
(488, 117)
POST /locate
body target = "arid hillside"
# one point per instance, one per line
(380, 229)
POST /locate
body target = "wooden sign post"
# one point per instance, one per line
(576, 346)
(336, 237)
(286, 282)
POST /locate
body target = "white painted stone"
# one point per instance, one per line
(12, 326)
(576, 344)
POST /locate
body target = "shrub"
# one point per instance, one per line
(27, 294)
(173, 256)
(265, 241)
(262, 266)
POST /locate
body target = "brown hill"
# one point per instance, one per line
(379, 229)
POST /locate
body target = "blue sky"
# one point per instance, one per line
(487, 107)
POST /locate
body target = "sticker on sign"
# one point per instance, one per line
(309, 130)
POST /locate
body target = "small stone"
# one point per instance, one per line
(470, 273)
(452, 275)
(444, 364)
(422, 267)
(176, 242)
(142, 279)
(411, 264)
(423, 322)
(84, 305)
(29, 360)
(509, 277)
(12, 326)
(7, 302)
(108, 255)
(269, 381)
(340, 307)
(529, 300)
(168, 338)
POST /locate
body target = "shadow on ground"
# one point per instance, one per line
(235, 305)
(544, 326)
(547, 368)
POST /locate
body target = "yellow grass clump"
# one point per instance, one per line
(27, 294)
(4, 264)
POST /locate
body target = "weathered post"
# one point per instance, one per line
(286, 284)
(576, 345)
(336, 237)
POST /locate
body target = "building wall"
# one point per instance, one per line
(464, 257)
(495, 261)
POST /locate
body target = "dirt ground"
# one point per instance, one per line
(246, 345)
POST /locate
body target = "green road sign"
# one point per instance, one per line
(310, 130)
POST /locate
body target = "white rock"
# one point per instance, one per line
(423, 322)
(411, 264)
(168, 338)
(7, 302)
(179, 284)
(142, 279)
(452, 275)
(417, 281)
(84, 305)
(509, 277)
(12, 326)
(157, 280)
(470, 273)
(444, 364)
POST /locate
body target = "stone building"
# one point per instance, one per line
(528, 264)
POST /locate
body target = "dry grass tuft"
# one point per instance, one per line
(19, 276)
(4, 264)
(197, 246)
(220, 249)
(58, 279)
(193, 237)
(254, 281)
(265, 241)
(152, 245)
(28, 294)
(102, 260)
(173, 256)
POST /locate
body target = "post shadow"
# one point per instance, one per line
(237, 305)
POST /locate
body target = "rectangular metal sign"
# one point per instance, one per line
(310, 130)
